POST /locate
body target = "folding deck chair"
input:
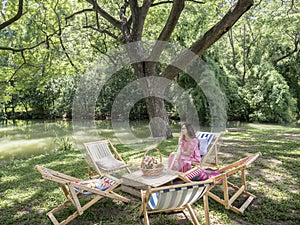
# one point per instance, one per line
(175, 198)
(103, 161)
(73, 188)
(209, 146)
(222, 176)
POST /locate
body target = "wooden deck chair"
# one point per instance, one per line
(101, 158)
(73, 188)
(175, 198)
(209, 147)
(223, 176)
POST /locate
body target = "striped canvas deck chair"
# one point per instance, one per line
(104, 158)
(74, 188)
(175, 198)
(225, 176)
(209, 147)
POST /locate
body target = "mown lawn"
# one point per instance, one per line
(274, 178)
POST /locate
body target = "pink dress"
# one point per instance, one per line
(185, 161)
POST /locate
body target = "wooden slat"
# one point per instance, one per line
(246, 204)
(236, 195)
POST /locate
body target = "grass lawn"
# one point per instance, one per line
(274, 178)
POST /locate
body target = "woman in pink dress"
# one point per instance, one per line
(188, 150)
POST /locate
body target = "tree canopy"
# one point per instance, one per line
(251, 46)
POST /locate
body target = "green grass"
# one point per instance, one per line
(274, 178)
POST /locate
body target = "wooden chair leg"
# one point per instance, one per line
(192, 213)
(226, 193)
(53, 219)
(206, 209)
(146, 218)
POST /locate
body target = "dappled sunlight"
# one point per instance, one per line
(15, 195)
(274, 178)
(10, 178)
(260, 126)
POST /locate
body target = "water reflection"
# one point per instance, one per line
(23, 138)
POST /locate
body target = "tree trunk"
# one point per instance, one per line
(159, 121)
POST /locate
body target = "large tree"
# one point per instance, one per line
(125, 21)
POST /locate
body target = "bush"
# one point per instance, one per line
(267, 96)
(63, 143)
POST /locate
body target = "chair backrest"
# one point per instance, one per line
(176, 196)
(104, 157)
(55, 176)
(205, 140)
(98, 149)
(242, 163)
(209, 147)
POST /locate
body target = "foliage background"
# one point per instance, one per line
(256, 62)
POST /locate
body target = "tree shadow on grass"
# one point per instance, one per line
(273, 178)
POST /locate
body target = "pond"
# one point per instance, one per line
(22, 139)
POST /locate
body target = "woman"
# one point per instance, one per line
(188, 150)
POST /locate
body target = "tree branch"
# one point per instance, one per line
(22, 65)
(175, 13)
(231, 41)
(79, 12)
(60, 39)
(125, 28)
(293, 8)
(103, 31)
(104, 52)
(134, 7)
(168, 29)
(15, 18)
(14, 50)
(139, 17)
(296, 43)
(209, 38)
(104, 14)
(16, 71)
(166, 2)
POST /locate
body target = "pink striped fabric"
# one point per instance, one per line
(200, 174)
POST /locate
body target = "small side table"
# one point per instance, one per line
(134, 182)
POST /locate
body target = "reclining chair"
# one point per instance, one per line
(72, 187)
(222, 176)
(100, 156)
(175, 198)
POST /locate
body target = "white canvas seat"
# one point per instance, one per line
(103, 161)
